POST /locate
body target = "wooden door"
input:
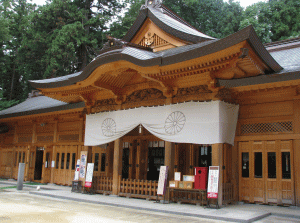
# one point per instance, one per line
(244, 164)
(286, 168)
(71, 152)
(257, 175)
(266, 172)
(65, 163)
(47, 165)
(31, 163)
(99, 160)
(19, 157)
(57, 171)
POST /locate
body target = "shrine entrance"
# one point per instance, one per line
(38, 163)
(266, 174)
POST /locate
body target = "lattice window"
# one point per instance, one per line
(70, 137)
(24, 138)
(273, 127)
(45, 138)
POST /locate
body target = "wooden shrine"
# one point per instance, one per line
(162, 61)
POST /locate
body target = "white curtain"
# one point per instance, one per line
(190, 122)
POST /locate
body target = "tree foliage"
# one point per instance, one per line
(53, 40)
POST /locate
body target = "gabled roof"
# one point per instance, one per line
(287, 54)
(145, 58)
(38, 105)
(169, 22)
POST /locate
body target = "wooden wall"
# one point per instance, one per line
(268, 117)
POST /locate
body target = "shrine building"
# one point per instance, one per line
(167, 95)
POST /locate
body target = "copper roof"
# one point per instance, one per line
(145, 58)
(169, 22)
(38, 105)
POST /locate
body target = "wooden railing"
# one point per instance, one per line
(102, 184)
(138, 188)
(227, 193)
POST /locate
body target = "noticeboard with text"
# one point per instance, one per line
(162, 181)
(213, 182)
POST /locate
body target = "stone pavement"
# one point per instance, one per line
(232, 213)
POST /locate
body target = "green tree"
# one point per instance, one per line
(285, 19)
(15, 13)
(212, 17)
(120, 27)
(259, 16)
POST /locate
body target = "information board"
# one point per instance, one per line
(83, 160)
(162, 181)
(213, 182)
(89, 175)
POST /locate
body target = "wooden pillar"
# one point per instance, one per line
(192, 157)
(235, 171)
(43, 167)
(26, 175)
(130, 173)
(138, 159)
(296, 152)
(53, 167)
(217, 160)
(176, 160)
(107, 161)
(90, 154)
(117, 170)
(169, 158)
(11, 158)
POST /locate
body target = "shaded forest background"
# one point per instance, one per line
(63, 36)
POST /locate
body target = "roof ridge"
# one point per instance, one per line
(282, 42)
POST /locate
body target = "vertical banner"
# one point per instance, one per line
(162, 181)
(76, 177)
(83, 160)
(89, 175)
(213, 182)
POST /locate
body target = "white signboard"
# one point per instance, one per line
(213, 182)
(76, 177)
(53, 164)
(177, 176)
(89, 175)
(162, 181)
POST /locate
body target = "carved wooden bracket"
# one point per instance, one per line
(120, 99)
(170, 92)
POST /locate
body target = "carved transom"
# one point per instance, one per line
(145, 95)
(193, 90)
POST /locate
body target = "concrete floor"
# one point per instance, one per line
(53, 203)
(23, 207)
